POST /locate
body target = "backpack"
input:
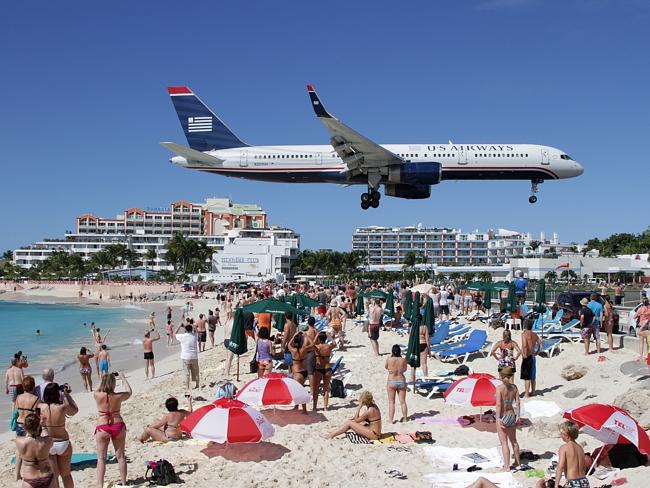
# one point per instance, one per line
(162, 473)
(337, 390)
(254, 366)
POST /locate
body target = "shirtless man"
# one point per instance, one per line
(531, 344)
(287, 334)
(213, 321)
(13, 381)
(376, 313)
(201, 330)
(147, 346)
(104, 361)
(571, 460)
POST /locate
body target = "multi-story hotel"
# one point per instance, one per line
(388, 246)
(218, 221)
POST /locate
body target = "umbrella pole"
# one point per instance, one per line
(237, 367)
(413, 377)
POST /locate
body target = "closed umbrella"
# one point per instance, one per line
(511, 303)
(238, 342)
(360, 310)
(389, 308)
(540, 301)
(227, 420)
(429, 316)
(273, 389)
(415, 308)
(413, 349)
(487, 299)
(407, 304)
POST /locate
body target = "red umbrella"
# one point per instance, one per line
(274, 389)
(476, 390)
(609, 424)
(227, 420)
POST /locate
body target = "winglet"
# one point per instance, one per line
(179, 90)
(319, 109)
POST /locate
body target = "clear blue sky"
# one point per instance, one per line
(85, 105)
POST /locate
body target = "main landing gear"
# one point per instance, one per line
(534, 189)
(370, 199)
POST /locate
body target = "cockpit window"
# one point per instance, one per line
(565, 156)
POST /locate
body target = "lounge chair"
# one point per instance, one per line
(431, 386)
(337, 364)
(550, 345)
(476, 342)
(440, 335)
(568, 332)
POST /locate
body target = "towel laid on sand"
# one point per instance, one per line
(460, 479)
(445, 457)
(355, 438)
(540, 408)
(441, 419)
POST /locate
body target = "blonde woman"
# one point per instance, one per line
(367, 424)
(508, 410)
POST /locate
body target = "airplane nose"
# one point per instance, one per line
(578, 168)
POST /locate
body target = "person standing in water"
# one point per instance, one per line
(150, 337)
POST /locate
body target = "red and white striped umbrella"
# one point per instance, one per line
(609, 424)
(274, 389)
(227, 420)
(476, 390)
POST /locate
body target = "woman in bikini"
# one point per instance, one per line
(298, 349)
(396, 384)
(367, 424)
(26, 403)
(99, 342)
(112, 427)
(335, 316)
(168, 427)
(508, 409)
(264, 355)
(85, 370)
(506, 352)
(323, 370)
(33, 455)
(56, 407)
(424, 349)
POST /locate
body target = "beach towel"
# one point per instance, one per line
(423, 437)
(444, 458)
(404, 438)
(441, 419)
(388, 438)
(540, 408)
(355, 438)
(461, 479)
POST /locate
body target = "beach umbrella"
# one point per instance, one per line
(609, 424)
(304, 301)
(487, 299)
(540, 296)
(360, 310)
(389, 308)
(474, 286)
(511, 304)
(269, 305)
(279, 317)
(407, 304)
(413, 349)
(375, 294)
(476, 390)
(429, 316)
(238, 342)
(415, 308)
(274, 389)
(227, 420)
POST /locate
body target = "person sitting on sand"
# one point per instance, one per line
(168, 427)
(506, 351)
(396, 384)
(323, 369)
(507, 413)
(33, 456)
(104, 360)
(367, 424)
(85, 370)
(298, 349)
(263, 349)
(571, 461)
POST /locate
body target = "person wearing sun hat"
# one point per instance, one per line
(586, 322)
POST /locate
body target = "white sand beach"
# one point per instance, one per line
(298, 453)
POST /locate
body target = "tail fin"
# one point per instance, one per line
(203, 129)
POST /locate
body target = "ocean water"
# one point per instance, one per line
(62, 331)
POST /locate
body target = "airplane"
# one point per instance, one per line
(405, 170)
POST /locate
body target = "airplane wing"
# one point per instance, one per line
(191, 154)
(360, 154)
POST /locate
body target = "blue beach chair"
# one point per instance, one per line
(476, 342)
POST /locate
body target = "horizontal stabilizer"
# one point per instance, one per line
(191, 154)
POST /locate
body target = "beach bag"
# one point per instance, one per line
(13, 423)
(254, 366)
(337, 390)
(162, 473)
(227, 390)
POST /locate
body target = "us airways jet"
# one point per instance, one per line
(405, 170)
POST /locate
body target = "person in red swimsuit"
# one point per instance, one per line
(112, 427)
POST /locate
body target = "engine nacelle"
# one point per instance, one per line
(411, 192)
(415, 174)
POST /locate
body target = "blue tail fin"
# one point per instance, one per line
(203, 129)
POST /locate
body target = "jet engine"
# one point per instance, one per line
(415, 174)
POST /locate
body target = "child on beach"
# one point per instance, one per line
(571, 461)
(104, 360)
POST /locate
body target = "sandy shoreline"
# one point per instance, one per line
(298, 454)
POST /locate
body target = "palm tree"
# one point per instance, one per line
(550, 276)
(468, 276)
(455, 276)
(8, 255)
(410, 260)
(485, 276)
(565, 275)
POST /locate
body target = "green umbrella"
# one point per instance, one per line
(270, 305)
(375, 294)
(360, 310)
(429, 317)
(499, 285)
(389, 308)
(474, 286)
(279, 317)
(511, 303)
(487, 299)
(304, 301)
(238, 342)
(407, 305)
(413, 349)
(540, 296)
(415, 308)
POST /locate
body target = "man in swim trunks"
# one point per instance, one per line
(13, 382)
(104, 360)
(376, 314)
(530, 346)
(213, 320)
(202, 332)
(150, 337)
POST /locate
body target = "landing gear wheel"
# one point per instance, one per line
(365, 197)
(375, 195)
(532, 199)
(365, 204)
(374, 203)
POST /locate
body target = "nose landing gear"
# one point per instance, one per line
(534, 189)
(370, 199)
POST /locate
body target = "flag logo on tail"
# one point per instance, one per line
(199, 124)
